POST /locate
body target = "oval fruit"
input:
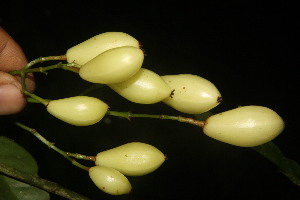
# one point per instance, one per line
(110, 180)
(113, 66)
(245, 126)
(133, 159)
(79, 110)
(191, 94)
(87, 50)
(145, 87)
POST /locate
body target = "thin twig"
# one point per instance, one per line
(81, 156)
(73, 67)
(43, 59)
(129, 115)
(51, 145)
(40, 183)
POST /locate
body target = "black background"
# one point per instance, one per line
(246, 48)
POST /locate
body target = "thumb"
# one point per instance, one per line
(11, 97)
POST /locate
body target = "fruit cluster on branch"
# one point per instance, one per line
(116, 60)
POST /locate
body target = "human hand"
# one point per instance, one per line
(12, 100)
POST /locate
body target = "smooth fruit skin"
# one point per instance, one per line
(113, 66)
(245, 126)
(191, 94)
(110, 180)
(87, 50)
(132, 159)
(79, 110)
(145, 87)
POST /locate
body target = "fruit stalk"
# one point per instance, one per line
(73, 67)
(43, 59)
(129, 115)
(81, 156)
(51, 145)
(36, 98)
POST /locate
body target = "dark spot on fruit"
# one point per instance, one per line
(172, 93)
(219, 100)
(166, 158)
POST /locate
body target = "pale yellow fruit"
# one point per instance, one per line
(132, 159)
(145, 87)
(79, 110)
(109, 180)
(87, 50)
(191, 94)
(245, 126)
(113, 66)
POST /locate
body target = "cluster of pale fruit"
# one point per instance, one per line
(115, 59)
(131, 159)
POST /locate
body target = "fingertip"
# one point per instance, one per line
(12, 56)
(11, 99)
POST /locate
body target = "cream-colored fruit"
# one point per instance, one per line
(87, 50)
(145, 87)
(79, 110)
(132, 159)
(191, 94)
(245, 126)
(109, 180)
(113, 66)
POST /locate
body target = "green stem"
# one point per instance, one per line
(23, 80)
(36, 98)
(40, 183)
(51, 145)
(69, 66)
(81, 156)
(129, 115)
(32, 100)
(43, 59)
(73, 67)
